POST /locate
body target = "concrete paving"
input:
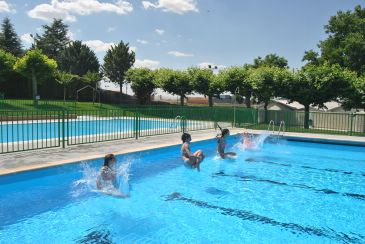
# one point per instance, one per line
(29, 160)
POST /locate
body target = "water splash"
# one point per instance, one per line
(257, 142)
(87, 183)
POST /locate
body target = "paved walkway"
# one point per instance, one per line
(22, 161)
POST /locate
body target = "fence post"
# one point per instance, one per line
(183, 124)
(351, 122)
(136, 125)
(63, 128)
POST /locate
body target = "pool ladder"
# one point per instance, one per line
(281, 130)
(176, 121)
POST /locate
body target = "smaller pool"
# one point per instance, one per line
(15, 132)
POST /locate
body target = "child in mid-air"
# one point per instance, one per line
(192, 159)
(107, 178)
(221, 139)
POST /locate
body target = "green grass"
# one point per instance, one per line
(51, 105)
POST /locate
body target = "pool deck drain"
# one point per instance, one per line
(37, 159)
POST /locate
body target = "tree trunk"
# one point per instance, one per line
(121, 91)
(248, 100)
(210, 99)
(64, 93)
(306, 116)
(182, 100)
(35, 88)
(266, 112)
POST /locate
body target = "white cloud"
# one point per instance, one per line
(160, 31)
(174, 6)
(98, 46)
(6, 7)
(134, 49)
(71, 35)
(26, 38)
(180, 54)
(144, 42)
(67, 9)
(111, 29)
(146, 63)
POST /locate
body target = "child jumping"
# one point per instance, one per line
(191, 159)
(221, 140)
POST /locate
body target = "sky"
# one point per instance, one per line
(182, 33)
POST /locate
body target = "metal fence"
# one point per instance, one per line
(29, 130)
(319, 122)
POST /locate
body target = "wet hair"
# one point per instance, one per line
(225, 132)
(185, 137)
(108, 158)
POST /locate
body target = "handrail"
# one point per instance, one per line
(176, 120)
(281, 128)
(271, 125)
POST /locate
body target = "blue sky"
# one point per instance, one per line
(182, 33)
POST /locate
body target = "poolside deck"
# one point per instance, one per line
(29, 160)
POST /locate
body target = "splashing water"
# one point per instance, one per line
(257, 142)
(87, 183)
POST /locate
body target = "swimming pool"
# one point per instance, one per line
(40, 130)
(297, 191)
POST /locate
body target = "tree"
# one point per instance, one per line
(78, 59)
(316, 85)
(311, 57)
(173, 81)
(7, 61)
(54, 39)
(270, 60)
(235, 79)
(204, 82)
(36, 65)
(267, 82)
(345, 44)
(9, 40)
(92, 78)
(117, 61)
(65, 79)
(142, 84)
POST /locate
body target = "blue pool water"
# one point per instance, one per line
(287, 192)
(40, 130)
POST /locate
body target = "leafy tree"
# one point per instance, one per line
(270, 60)
(267, 83)
(78, 59)
(316, 85)
(311, 57)
(92, 78)
(54, 39)
(142, 83)
(345, 44)
(173, 81)
(9, 40)
(7, 61)
(237, 77)
(65, 79)
(204, 82)
(117, 61)
(36, 65)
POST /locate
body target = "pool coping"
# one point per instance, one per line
(142, 148)
(197, 135)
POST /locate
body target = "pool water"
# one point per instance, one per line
(13, 132)
(286, 191)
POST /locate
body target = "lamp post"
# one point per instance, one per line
(212, 68)
(236, 92)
